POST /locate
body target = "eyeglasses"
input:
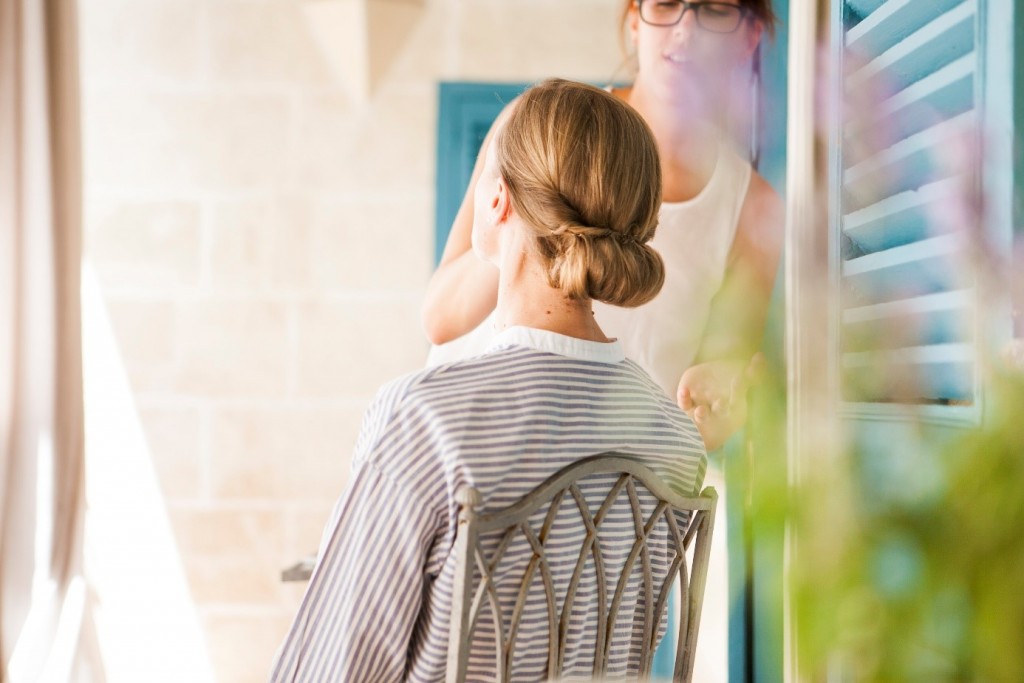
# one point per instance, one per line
(717, 17)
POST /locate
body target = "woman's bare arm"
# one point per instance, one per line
(713, 390)
(739, 311)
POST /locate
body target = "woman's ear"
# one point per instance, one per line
(752, 38)
(501, 203)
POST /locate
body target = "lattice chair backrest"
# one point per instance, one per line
(689, 521)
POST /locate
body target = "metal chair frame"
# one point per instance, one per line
(468, 600)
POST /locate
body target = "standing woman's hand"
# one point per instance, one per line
(714, 395)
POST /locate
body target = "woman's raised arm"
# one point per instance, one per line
(713, 391)
(464, 289)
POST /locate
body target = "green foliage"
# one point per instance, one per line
(914, 571)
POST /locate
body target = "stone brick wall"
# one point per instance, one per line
(263, 238)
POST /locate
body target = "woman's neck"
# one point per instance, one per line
(683, 125)
(688, 141)
(525, 299)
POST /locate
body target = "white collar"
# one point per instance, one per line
(552, 342)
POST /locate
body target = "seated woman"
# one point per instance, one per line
(565, 205)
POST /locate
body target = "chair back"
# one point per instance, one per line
(689, 521)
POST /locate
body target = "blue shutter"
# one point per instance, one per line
(907, 299)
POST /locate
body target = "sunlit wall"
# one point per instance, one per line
(262, 235)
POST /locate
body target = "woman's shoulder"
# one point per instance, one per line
(760, 229)
(762, 206)
(734, 162)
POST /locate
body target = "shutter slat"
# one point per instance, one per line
(892, 22)
(918, 330)
(916, 355)
(939, 373)
(942, 318)
(941, 95)
(934, 45)
(902, 219)
(927, 267)
(943, 301)
(911, 163)
(938, 383)
(864, 7)
(935, 247)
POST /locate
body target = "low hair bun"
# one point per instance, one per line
(613, 267)
(582, 170)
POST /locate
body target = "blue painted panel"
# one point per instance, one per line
(756, 545)
(1018, 162)
(465, 114)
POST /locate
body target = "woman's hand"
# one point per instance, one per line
(714, 395)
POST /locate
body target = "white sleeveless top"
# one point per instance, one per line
(693, 238)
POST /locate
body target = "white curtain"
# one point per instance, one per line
(42, 596)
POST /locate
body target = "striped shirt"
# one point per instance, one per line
(377, 607)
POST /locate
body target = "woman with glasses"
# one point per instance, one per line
(720, 234)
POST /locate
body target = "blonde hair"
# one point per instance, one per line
(582, 170)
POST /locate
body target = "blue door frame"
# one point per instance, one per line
(756, 545)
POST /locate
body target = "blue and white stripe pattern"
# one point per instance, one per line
(377, 607)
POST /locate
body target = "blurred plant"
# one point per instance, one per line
(923, 581)
(909, 539)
